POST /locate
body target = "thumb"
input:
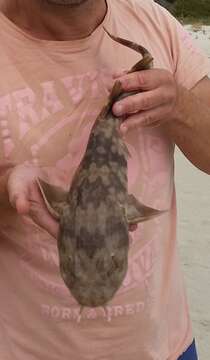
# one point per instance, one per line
(18, 194)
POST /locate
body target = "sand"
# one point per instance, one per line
(193, 193)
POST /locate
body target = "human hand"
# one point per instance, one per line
(153, 105)
(25, 197)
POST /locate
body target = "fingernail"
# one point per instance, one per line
(118, 109)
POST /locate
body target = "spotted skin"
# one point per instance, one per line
(93, 239)
(95, 219)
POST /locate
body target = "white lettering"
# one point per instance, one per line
(50, 99)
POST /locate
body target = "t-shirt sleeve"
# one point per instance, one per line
(190, 63)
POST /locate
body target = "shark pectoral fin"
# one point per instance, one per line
(137, 212)
(53, 196)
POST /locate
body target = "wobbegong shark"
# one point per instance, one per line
(95, 214)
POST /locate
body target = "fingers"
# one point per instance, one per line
(19, 185)
(156, 87)
(153, 104)
(144, 80)
(140, 102)
(151, 118)
(25, 197)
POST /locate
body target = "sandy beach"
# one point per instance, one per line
(193, 194)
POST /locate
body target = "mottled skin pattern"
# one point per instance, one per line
(93, 239)
(95, 220)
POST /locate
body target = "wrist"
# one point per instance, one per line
(179, 107)
(180, 116)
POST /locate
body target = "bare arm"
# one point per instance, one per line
(190, 128)
(184, 114)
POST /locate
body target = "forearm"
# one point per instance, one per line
(190, 129)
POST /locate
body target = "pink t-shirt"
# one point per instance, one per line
(50, 95)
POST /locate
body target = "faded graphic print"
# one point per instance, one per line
(51, 130)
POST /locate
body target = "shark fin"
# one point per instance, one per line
(137, 212)
(54, 197)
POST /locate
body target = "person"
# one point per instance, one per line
(56, 66)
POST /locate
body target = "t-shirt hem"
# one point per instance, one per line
(184, 348)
